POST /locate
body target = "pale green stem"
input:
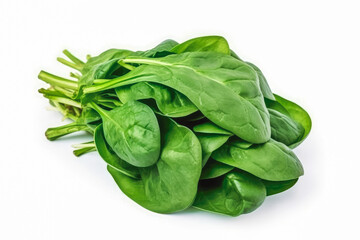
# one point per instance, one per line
(57, 81)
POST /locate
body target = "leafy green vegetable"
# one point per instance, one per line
(161, 50)
(133, 132)
(298, 114)
(209, 127)
(209, 143)
(284, 129)
(214, 169)
(272, 160)
(203, 44)
(171, 103)
(239, 105)
(264, 86)
(110, 156)
(171, 184)
(182, 125)
(275, 187)
(234, 194)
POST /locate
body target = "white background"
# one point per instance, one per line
(308, 50)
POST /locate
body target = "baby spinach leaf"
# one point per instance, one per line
(104, 57)
(170, 102)
(264, 86)
(133, 132)
(275, 187)
(203, 44)
(272, 160)
(209, 127)
(234, 194)
(224, 89)
(298, 114)
(236, 142)
(214, 169)
(110, 156)
(284, 129)
(209, 143)
(163, 49)
(171, 184)
(103, 66)
(270, 104)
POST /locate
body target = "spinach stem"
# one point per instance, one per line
(81, 151)
(57, 81)
(69, 64)
(66, 92)
(96, 107)
(54, 133)
(83, 145)
(100, 81)
(73, 58)
(75, 75)
(125, 65)
(64, 111)
(109, 84)
(63, 100)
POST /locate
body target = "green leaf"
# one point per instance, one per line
(284, 129)
(275, 187)
(264, 86)
(171, 184)
(224, 89)
(133, 132)
(214, 169)
(209, 143)
(101, 67)
(298, 114)
(234, 194)
(272, 160)
(170, 102)
(209, 127)
(204, 44)
(163, 49)
(110, 157)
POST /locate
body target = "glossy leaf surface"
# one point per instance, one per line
(272, 160)
(133, 133)
(234, 194)
(110, 157)
(171, 184)
(224, 89)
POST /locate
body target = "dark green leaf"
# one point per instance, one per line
(273, 187)
(264, 86)
(234, 194)
(204, 44)
(209, 127)
(284, 129)
(133, 132)
(272, 160)
(209, 143)
(171, 184)
(298, 114)
(214, 169)
(110, 156)
(170, 102)
(163, 49)
(224, 89)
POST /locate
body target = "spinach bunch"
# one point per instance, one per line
(182, 125)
